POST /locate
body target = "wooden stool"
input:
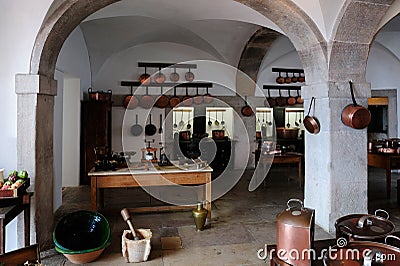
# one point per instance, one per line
(7, 214)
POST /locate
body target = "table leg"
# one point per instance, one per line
(93, 193)
(300, 174)
(27, 231)
(388, 182)
(2, 237)
(208, 196)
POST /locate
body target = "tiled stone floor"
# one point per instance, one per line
(242, 222)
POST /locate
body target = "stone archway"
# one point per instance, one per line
(37, 89)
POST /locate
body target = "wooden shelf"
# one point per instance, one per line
(378, 101)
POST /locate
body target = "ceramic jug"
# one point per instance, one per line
(2, 175)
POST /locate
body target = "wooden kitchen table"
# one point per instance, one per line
(386, 161)
(286, 158)
(163, 176)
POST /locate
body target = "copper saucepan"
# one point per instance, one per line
(162, 100)
(354, 115)
(130, 101)
(311, 123)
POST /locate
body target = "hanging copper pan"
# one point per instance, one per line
(174, 100)
(187, 100)
(162, 100)
(189, 76)
(270, 101)
(145, 79)
(147, 101)
(311, 123)
(130, 101)
(198, 99)
(354, 115)
(159, 77)
(207, 98)
(174, 76)
(299, 100)
(246, 110)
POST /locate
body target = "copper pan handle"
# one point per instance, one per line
(365, 220)
(393, 237)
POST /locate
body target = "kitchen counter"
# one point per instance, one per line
(151, 176)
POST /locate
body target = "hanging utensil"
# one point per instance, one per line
(301, 115)
(295, 121)
(263, 127)
(294, 78)
(174, 76)
(136, 129)
(187, 100)
(150, 129)
(147, 100)
(311, 123)
(270, 119)
(222, 121)
(246, 110)
(280, 100)
(354, 115)
(175, 125)
(181, 123)
(189, 76)
(288, 122)
(271, 101)
(130, 101)
(209, 119)
(288, 79)
(188, 126)
(127, 218)
(162, 100)
(198, 99)
(160, 128)
(216, 122)
(207, 98)
(299, 100)
(280, 79)
(291, 100)
(301, 78)
(159, 77)
(174, 100)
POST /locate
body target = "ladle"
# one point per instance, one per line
(209, 119)
(295, 121)
(181, 123)
(222, 121)
(188, 126)
(175, 125)
(288, 122)
(216, 122)
(127, 218)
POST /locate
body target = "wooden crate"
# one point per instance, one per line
(14, 193)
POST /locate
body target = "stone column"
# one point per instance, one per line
(335, 158)
(35, 103)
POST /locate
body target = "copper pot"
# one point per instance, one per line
(295, 231)
(189, 76)
(354, 115)
(362, 253)
(99, 95)
(271, 101)
(218, 134)
(174, 100)
(364, 227)
(287, 133)
(280, 79)
(299, 100)
(184, 135)
(291, 100)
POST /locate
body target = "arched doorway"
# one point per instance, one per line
(37, 89)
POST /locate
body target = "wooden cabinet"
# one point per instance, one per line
(95, 132)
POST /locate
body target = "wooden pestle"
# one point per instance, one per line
(127, 218)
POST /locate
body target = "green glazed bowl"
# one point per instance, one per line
(82, 232)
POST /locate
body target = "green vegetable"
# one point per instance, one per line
(23, 174)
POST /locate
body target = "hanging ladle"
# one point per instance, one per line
(295, 121)
(222, 121)
(127, 218)
(188, 126)
(181, 123)
(216, 122)
(209, 119)
(288, 122)
(175, 125)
